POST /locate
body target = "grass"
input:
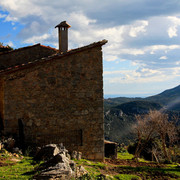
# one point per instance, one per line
(125, 155)
(146, 171)
(172, 169)
(125, 172)
(96, 165)
(20, 170)
(92, 167)
(126, 177)
(14, 167)
(24, 169)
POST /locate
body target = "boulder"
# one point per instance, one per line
(58, 167)
(1, 145)
(16, 150)
(76, 155)
(80, 171)
(9, 144)
(47, 152)
(58, 164)
(79, 155)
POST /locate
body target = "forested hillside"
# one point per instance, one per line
(119, 113)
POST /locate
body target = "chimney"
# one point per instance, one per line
(63, 36)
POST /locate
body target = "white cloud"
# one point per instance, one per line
(178, 63)
(132, 51)
(172, 31)
(10, 43)
(139, 27)
(140, 35)
(36, 39)
(142, 76)
(2, 15)
(163, 57)
(164, 48)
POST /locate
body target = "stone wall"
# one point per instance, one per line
(24, 55)
(59, 101)
(1, 104)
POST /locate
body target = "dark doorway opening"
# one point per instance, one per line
(21, 134)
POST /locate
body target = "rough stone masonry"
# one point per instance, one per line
(57, 99)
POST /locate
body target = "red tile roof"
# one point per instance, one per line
(73, 51)
(21, 49)
(4, 48)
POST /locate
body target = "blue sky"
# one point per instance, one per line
(142, 56)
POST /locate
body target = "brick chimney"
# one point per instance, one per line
(63, 36)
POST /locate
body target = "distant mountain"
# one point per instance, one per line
(169, 98)
(110, 102)
(138, 107)
(119, 113)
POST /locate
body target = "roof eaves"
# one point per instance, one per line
(44, 59)
(20, 49)
(48, 47)
(95, 44)
(109, 142)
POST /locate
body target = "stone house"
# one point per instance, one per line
(51, 96)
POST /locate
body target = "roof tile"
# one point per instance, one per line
(44, 59)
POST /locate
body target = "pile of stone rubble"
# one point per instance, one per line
(58, 163)
(9, 144)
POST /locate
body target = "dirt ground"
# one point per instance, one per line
(8, 161)
(132, 163)
(141, 169)
(118, 166)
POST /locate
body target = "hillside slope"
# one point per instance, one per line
(169, 98)
(119, 113)
(120, 120)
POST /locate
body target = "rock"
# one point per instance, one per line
(76, 155)
(60, 171)
(79, 155)
(59, 158)
(15, 155)
(68, 156)
(80, 171)
(58, 164)
(57, 167)
(72, 165)
(1, 145)
(103, 177)
(47, 152)
(9, 144)
(16, 150)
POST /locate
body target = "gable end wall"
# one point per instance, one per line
(59, 101)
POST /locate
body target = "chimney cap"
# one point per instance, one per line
(63, 24)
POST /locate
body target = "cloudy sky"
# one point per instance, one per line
(142, 56)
